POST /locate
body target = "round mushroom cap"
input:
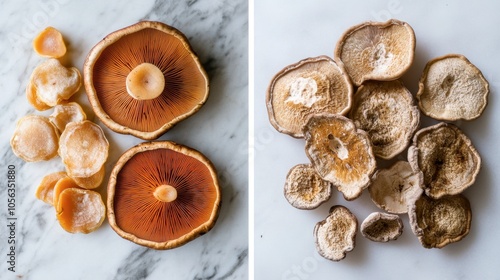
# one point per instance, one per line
(336, 235)
(163, 49)
(386, 111)
(49, 43)
(65, 113)
(340, 153)
(382, 227)
(396, 188)
(80, 211)
(452, 88)
(162, 195)
(311, 86)
(447, 159)
(381, 51)
(440, 222)
(35, 139)
(304, 189)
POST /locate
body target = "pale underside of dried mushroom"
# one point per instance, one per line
(380, 51)
(313, 85)
(452, 88)
(382, 227)
(386, 111)
(304, 189)
(447, 159)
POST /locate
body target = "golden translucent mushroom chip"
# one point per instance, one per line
(66, 113)
(452, 88)
(62, 184)
(45, 190)
(340, 153)
(83, 148)
(304, 189)
(80, 210)
(49, 43)
(35, 139)
(92, 182)
(382, 227)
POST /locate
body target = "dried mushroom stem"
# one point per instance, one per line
(165, 193)
(145, 82)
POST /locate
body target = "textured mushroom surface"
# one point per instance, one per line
(93, 181)
(45, 190)
(336, 235)
(386, 111)
(80, 211)
(49, 43)
(340, 153)
(35, 139)
(396, 188)
(440, 222)
(447, 159)
(452, 88)
(66, 113)
(379, 51)
(304, 189)
(382, 227)
(312, 85)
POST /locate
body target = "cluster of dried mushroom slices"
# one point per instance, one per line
(346, 132)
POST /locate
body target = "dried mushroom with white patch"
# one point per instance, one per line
(65, 113)
(35, 139)
(382, 227)
(49, 43)
(304, 188)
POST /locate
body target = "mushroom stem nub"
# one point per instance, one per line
(145, 82)
(165, 193)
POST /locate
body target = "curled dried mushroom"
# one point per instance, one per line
(382, 227)
(49, 43)
(304, 189)
(45, 190)
(80, 211)
(35, 139)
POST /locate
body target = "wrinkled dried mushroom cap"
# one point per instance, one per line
(447, 159)
(452, 88)
(439, 222)
(382, 227)
(66, 113)
(147, 58)
(313, 85)
(380, 51)
(80, 211)
(385, 110)
(35, 139)
(395, 188)
(45, 190)
(336, 235)
(162, 195)
(49, 43)
(340, 153)
(304, 189)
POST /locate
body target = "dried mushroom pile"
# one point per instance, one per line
(353, 112)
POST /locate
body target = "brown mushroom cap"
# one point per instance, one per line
(340, 153)
(313, 85)
(440, 222)
(447, 159)
(125, 55)
(386, 111)
(382, 227)
(162, 195)
(452, 88)
(381, 51)
(304, 189)
(336, 235)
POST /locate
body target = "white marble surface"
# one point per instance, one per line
(287, 31)
(217, 31)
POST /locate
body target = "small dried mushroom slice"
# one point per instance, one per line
(382, 227)
(304, 189)
(440, 222)
(340, 153)
(45, 190)
(336, 235)
(49, 43)
(312, 85)
(33, 99)
(386, 111)
(35, 139)
(447, 159)
(66, 113)
(380, 51)
(62, 184)
(396, 188)
(452, 88)
(92, 182)
(80, 211)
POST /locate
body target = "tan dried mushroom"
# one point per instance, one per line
(386, 111)
(340, 153)
(45, 190)
(381, 51)
(80, 211)
(452, 88)
(313, 85)
(447, 159)
(65, 113)
(35, 139)
(382, 227)
(336, 235)
(304, 189)
(49, 43)
(440, 222)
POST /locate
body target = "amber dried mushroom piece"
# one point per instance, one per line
(447, 159)
(33, 99)
(62, 184)
(381, 51)
(49, 43)
(336, 235)
(382, 227)
(35, 139)
(92, 182)
(80, 210)
(45, 190)
(145, 78)
(304, 189)
(53, 83)
(386, 111)
(452, 88)
(396, 188)
(162, 195)
(340, 153)
(83, 148)
(66, 113)
(440, 222)
(313, 85)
